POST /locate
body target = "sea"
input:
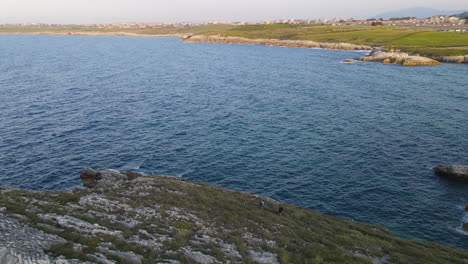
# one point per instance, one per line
(357, 141)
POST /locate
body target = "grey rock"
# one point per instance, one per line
(455, 172)
(103, 179)
(79, 225)
(452, 59)
(199, 257)
(398, 57)
(20, 243)
(274, 42)
(264, 257)
(227, 248)
(100, 258)
(132, 175)
(89, 177)
(126, 256)
(168, 261)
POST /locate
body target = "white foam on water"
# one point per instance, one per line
(184, 173)
(133, 165)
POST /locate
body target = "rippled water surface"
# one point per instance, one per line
(357, 141)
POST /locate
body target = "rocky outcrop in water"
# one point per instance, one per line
(397, 57)
(274, 42)
(451, 59)
(377, 54)
(137, 219)
(454, 172)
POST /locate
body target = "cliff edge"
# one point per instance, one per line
(132, 218)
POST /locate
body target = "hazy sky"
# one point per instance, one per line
(96, 11)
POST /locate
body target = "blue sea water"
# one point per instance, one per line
(356, 141)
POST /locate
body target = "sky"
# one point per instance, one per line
(101, 11)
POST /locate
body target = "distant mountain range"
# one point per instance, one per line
(463, 15)
(419, 12)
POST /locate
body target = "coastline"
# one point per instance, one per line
(92, 33)
(393, 57)
(383, 56)
(135, 218)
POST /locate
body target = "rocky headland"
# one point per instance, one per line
(274, 42)
(133, 218)
(378, 54)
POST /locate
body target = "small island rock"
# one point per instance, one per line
(398, 57)
(455, 172)
(465, 227)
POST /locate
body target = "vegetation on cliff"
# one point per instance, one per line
(427, 42)
(129, 218)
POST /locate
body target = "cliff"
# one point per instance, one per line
(132, 218)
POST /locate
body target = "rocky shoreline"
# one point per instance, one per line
(398, 57)
(377, 53)
(133, 218)
(274, 42)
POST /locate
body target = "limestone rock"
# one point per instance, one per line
(264, 257)
(274, 42)
(169, 261)
(396, 57)
(199, 257)
(131, 175)
(105, 178)
(124, 256)
(20, 243)
(452, 59)
(454, 172)
(89, 177)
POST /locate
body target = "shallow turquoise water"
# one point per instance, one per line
(357, 141)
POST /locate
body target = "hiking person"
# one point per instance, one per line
(262, 204)
(280, 210)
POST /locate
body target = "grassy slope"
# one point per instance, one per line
(301, 235)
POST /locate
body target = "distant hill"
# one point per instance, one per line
(462, 15)
(419, 12)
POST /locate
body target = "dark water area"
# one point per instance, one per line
(356, 141)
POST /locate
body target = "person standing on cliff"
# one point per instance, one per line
(262, 204)
(280, 210)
